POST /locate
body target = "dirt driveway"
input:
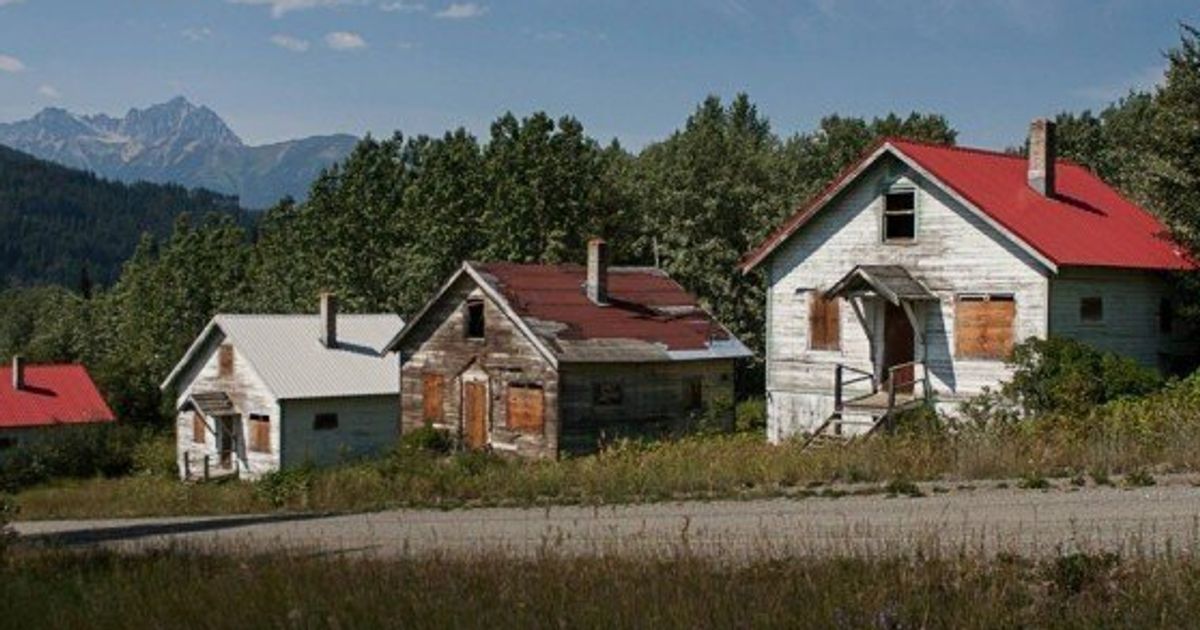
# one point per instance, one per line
(1162, 518)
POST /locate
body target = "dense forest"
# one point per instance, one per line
(69, 227)
(387, 225)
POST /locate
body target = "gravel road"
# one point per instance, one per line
(989, 519)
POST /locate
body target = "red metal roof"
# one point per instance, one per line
(1086, 223)
(53, 394)
(645, 304)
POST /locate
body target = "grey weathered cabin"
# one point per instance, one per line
(912, 276)
(257, 393)
(547, 359)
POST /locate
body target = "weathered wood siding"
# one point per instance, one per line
(504, 356)
(1132, 302)
(248, 393)
(954, 253)
(653, 399)
(366, 426)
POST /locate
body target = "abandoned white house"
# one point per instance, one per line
(913, 274)
(540, 360)
(39, 401)
(257, 393)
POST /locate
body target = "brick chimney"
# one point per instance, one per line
(1042, 155)
(597, 271)
(329, 312)
(18, 373)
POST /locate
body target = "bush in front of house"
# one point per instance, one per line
(1058, 375)
(8, 510)
(91, 451)
(751, 415)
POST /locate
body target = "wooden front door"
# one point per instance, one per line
(226, 443)
(474, 414)
(898, 347)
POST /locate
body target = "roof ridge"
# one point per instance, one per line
(955, 147)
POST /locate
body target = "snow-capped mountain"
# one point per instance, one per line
(177, 142)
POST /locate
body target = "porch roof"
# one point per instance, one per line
(891, 282)
(213, 404)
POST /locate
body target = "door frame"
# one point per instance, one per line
(475, 377)
(886, 361)
(227, 430)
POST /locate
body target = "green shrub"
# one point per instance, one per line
(155, 454)
(751, 415)
(284, 487)
(85, 451)
(1139, 479)
(427, 438)
(1066, 376)
(8, 510)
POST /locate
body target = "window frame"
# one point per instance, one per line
(599, 401)
(1099, 302)
(429, 381)
(252, 422)
(984, 297)
(199, 428)
(815, 296)
(321, 421)
(693, 394)
(903, 189)
(470, 307)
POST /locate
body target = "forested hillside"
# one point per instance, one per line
(58, 225)
(386, 226)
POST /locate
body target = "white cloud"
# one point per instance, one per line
(11, 64)
(287, 42)
(197, 34)
(461, 11)
(402, 6)
(280, 7)
(344, 40)
(49, 91)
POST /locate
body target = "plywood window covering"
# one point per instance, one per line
(225, 360)
(433, 387)
(607, 394)
(983, 326)
(824, 323)
(325, 422)
(198, 428)
(526, 408)
(475, 323)
(900, 215)
(260, 433)
(1091, 310)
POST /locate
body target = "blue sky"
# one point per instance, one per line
(629, 69)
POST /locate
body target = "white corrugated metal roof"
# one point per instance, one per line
(287, 353)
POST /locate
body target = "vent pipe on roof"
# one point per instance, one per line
(18, 373)
(1042, 156)
(329, 312)
(597, 271)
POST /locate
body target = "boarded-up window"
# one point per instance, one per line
(325, 422)
(824, 323)
(432, 397)
(225, 360)
(983, 326)
(526, 408)
(607, 394)
(260, 433)
(693, 394)
(1091, 310)
(198, 428)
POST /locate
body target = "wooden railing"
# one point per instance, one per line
(900, 377)
(840, 382)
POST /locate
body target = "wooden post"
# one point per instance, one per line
(891, 389)
(187, 467)
(206, 467)
(837, 388)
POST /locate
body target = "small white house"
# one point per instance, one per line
(257, 393)
(913, 274)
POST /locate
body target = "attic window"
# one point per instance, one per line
(899, 215)
(474, 315)
(1091, 310)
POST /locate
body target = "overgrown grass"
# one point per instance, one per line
(173, 589)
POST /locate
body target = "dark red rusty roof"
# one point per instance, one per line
(645, 304)
(53, 394)
(1087, 223)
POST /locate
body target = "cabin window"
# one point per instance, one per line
(526, 408)
(1166, 316)
(1091, 310)
(900, 215)
(325, 422)
(225, 360)
(693, 394)
(433, 387)
(983, 326)
(607, 394)
(198, 428)
(475, 323)
(260, 433)
(7, 443)
(824, 323)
